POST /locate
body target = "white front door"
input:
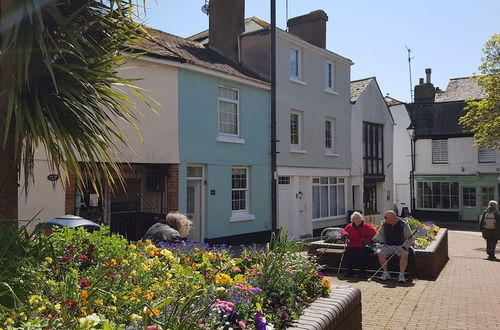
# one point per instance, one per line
(193, 209)
(293, 209)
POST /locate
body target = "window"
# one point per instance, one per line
(228, 111)
(283, 180)
(439, 151)
(328, 197)
(329, 136)
(239, 189)
(487, 194)
(486, 155)
(294, 63)
(329, 76)
(370, 197)
(296, 130)
(469, 196)
(437, 195)
(373, 149)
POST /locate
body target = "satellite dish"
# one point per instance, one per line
(204, 8)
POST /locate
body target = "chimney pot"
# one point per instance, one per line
(428, 76)
(421, 81)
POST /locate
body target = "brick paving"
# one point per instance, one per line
(466, 294)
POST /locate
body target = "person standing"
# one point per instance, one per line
(393, 237)
(360, 234)
(490, 228)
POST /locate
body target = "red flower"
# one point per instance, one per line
(83, 283)
(83, 257)
(72, 305)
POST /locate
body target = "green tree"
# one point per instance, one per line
(483, 116)
(59, 89)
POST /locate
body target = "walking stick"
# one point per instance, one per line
(392, 255)
(342, 256)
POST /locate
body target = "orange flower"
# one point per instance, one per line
(155, 312)
(84, 294)
(326, 284)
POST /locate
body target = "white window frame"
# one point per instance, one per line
(486, 155)
(296, 77)
(243, 214)
(330, 151)
(330, 78)
(339, 181)
(440, 151)
(300, 117)
(223, 136)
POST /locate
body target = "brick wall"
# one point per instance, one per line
(69, 203)
(173, 188)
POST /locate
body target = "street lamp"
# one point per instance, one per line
(411, 133)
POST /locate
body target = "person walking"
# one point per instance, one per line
(490, 228)
(359, 234)
(393, 238)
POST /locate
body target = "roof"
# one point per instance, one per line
(358, 87)
(259, 24)
(460, 89)
(175, 48)
(437, 120)
(390, 101)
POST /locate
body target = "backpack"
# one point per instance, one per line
(489, 220)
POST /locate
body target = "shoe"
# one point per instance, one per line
(401, 278)
(385, 276)
(492, 258)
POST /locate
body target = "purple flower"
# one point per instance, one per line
(259, 323)
(320, 274)
(256, 290)
(284, 315)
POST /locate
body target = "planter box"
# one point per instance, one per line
(425, 264)
(340, 310)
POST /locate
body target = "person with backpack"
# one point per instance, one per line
(360, 235)
(490, 228)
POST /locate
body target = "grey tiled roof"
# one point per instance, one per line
(437, 120)
(390, 101)
(358, 87)
(175, 48)
(460, 89)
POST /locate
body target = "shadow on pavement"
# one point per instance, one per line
(458, 225)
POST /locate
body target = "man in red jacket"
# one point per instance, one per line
(360, 235)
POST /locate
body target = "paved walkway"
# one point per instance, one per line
(465, 296)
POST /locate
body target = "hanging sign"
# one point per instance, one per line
(53, 177)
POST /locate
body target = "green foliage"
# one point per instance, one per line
(74, 279)
(483, 116)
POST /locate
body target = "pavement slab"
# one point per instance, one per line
(466, 295)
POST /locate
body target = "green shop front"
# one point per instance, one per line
(454, 197)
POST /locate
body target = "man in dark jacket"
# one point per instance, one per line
(490, 228)
(393, 238)
(171, 229)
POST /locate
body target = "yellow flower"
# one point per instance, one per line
(125, 297)
(149, 295)
(150, 249)
(148, 242)
(132, 247)
(34, 299)
(84, 311)
(84, 294)
(113, 309)
(167, 254)
(155, 312)
(51, 283)
(135, 318)
(9, 321)
(197, 249)
(222, 279)
(113, 262)
(326, 284)
(57, 307)
(99, 302)
(48, 259)
(113, 297)
(125, 261)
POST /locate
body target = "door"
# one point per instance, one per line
(193, 209)
(470, 203)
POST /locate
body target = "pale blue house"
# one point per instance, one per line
(223, 110)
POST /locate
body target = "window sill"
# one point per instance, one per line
(297, 81)
(238, 217)
(329, 218)
(331, 91)
(230, 139)
(298, 151)
(331, 154)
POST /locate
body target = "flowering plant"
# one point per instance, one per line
(74, 279)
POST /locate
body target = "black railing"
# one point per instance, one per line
(133, 225)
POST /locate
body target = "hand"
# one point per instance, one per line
(344, 237)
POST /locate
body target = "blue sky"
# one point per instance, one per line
(444, 35)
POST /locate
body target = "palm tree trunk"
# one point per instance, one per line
(9, 167)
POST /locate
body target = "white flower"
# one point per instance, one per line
(89, 321)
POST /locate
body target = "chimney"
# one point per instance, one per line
(226, 23)
(425, 93)
(310, 27)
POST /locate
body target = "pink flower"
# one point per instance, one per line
(242, 325)
(237, 270)
(83, 257)
(153, 327)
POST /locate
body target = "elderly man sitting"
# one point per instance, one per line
(393, 237)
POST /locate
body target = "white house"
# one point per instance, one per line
(372, 150)
(453, 179)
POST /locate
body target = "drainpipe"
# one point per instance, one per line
(274, 211)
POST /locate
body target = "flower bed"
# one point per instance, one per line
(75, 279)
(430, 250)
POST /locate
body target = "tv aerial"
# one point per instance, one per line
(205, 7)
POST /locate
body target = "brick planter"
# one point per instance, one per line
(340, 310)
(425, 264)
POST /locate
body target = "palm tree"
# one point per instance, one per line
(59, 89)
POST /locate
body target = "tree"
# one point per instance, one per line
(59, 89)
(483, 116)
